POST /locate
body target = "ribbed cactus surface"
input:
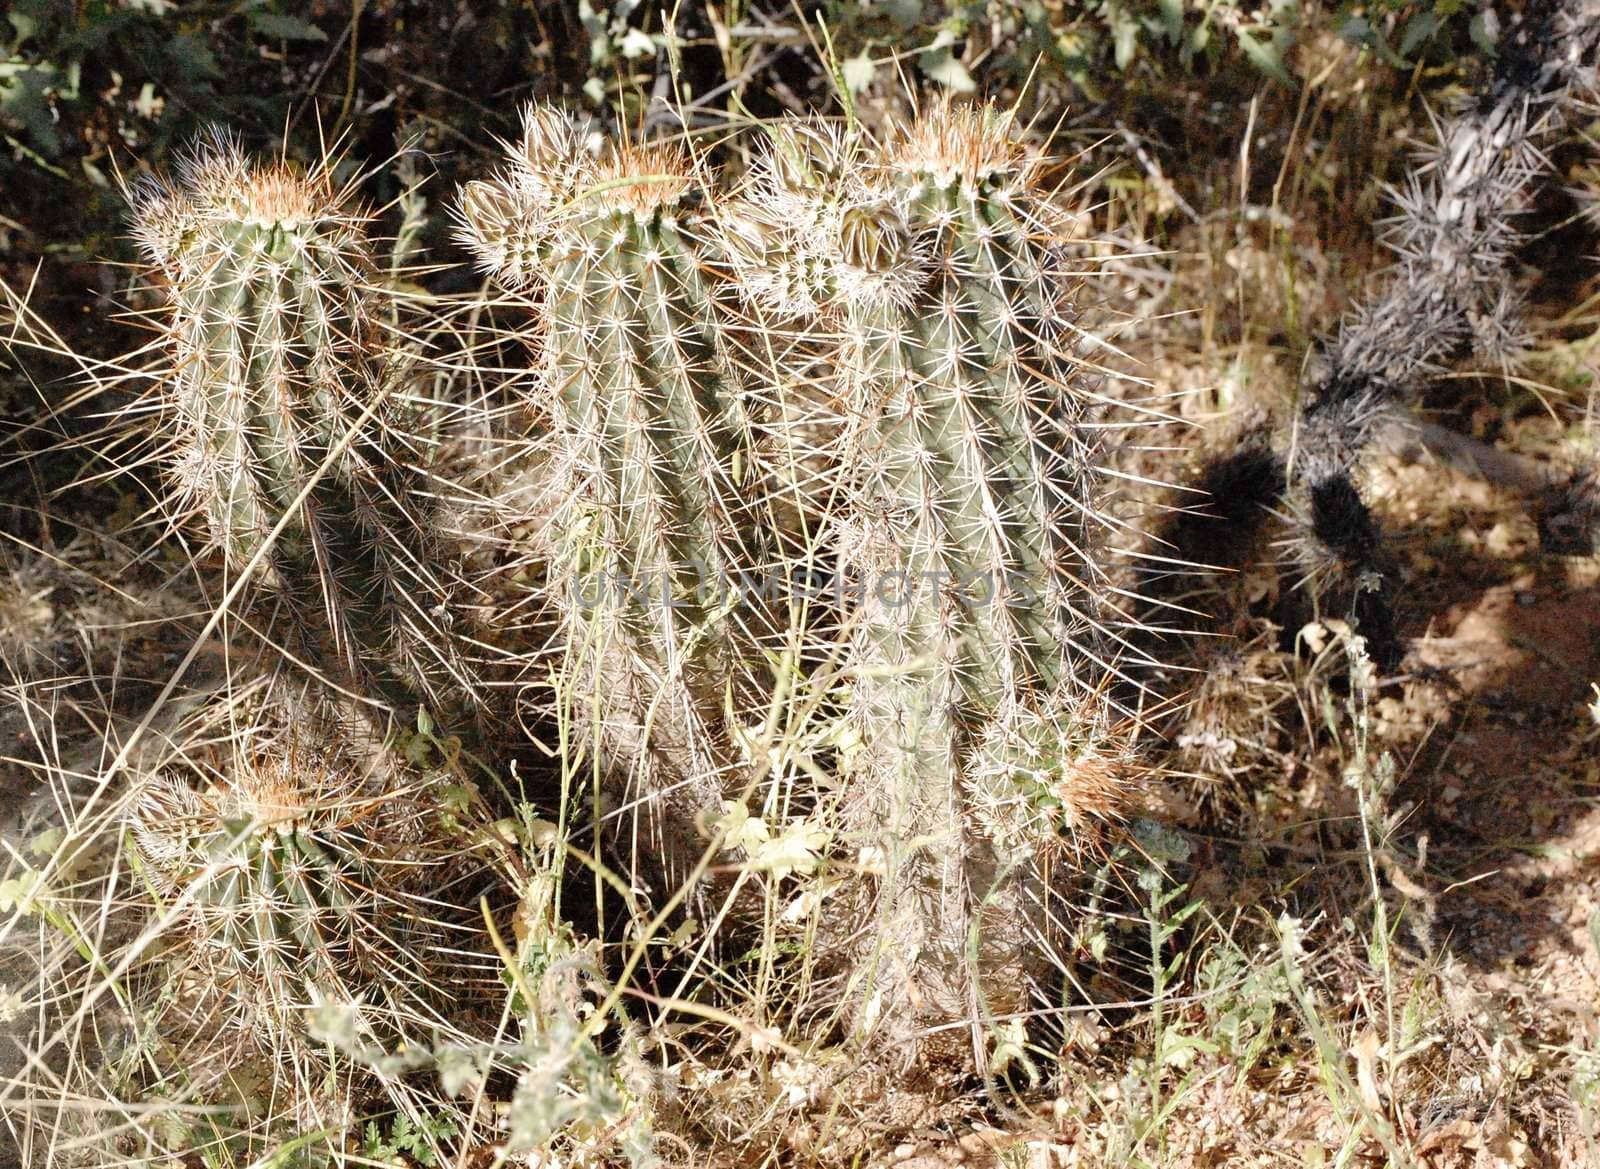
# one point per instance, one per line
(650, 440)
(278, 386)
(978, 643)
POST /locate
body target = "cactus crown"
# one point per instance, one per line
(966, 144)
(549, 183)
(181, 222)
(822, 229)
(508, 220)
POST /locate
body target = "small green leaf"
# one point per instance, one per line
(1099, 945)
(637, 44)
(25, 27)
(593, 23)
(193, 58)
(1418, 32)
(45, 844)
(1171, 20)
(1124, 34)
(458, 1070)
(1161, 843)
(17, 893)
(284, 28)
(1266, 54)
(858, 72)
(25, 97)
(1485, 31)
(599, 40)
(1356, 31)
(939, 65)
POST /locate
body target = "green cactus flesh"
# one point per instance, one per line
(977, 649)
(640, 389)
(277, 894)
(644, 399)
(967, 475)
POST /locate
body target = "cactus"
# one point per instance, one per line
(650, 441)
(310, 926)
(1457, 236)
(280, 389)
(288, 885)
(980, 648)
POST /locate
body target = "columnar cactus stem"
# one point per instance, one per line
(980, 648)
(650, 441)
(279, 389)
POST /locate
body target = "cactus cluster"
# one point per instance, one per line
(876, 802)
(915, 297)
(861, 361)
(284, 439)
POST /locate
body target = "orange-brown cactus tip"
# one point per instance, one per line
(969, 143)
(640, 179)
